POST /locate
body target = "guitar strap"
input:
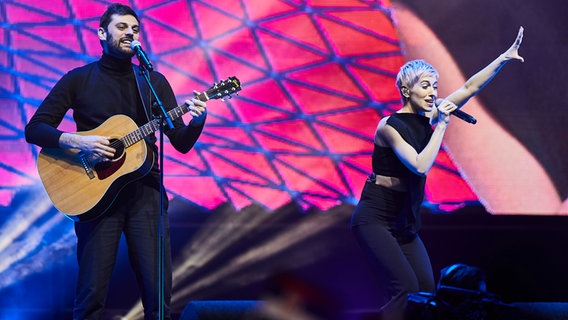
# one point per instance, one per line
(144, 91)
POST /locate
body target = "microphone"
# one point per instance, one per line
(142, 57)
(458, 113)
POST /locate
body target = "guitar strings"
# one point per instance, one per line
(118, 143)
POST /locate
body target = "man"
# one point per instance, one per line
(96, 92)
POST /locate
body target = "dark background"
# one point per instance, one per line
(538, 114)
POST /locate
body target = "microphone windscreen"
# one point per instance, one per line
(135, 44)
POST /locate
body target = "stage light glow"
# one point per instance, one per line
(226, 232)
(282, 241)
(23, 246)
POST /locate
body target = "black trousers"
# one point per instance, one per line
(400, 262)
(402, 268)
(135, 213)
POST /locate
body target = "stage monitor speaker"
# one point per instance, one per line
(220, 310)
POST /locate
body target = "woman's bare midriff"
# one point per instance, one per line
(393, 183)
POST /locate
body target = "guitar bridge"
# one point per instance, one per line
(86, 165)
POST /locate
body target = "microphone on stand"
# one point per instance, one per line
(142, 56)
(458, 113)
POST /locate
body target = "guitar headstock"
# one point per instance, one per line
(222, 89)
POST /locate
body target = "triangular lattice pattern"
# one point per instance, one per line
(317, 76)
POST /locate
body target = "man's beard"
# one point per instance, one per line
(115, 49)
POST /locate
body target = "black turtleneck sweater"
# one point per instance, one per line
(98, 91)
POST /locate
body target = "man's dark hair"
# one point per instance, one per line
(116, 8)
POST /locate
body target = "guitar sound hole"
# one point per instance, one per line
(106, 169)
(119, 147)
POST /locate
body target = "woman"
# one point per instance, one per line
(386, 220)
(519, 157)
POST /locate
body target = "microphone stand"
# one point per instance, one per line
(164, 117)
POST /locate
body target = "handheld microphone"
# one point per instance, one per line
(142, 57)
(460, 114)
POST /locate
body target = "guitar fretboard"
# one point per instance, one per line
(154, 125)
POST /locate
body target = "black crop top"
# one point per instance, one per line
(415, 130)
(386, 163)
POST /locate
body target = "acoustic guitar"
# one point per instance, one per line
(83, 187)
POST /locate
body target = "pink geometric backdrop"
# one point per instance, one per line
(316, 78)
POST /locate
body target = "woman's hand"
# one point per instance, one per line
(513, 52)
(444, 108)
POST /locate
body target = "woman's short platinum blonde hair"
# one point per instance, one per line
(411, 72)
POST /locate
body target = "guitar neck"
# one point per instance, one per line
(154, 125)
(218, 91)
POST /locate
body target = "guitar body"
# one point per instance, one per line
(82, 187)
(83, 190)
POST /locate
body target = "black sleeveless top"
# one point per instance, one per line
(416, 131)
